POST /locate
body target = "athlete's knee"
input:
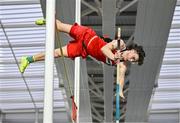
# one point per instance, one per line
(58, 21)
(59, 24)
(57, 53)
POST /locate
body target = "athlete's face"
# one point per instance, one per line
(130, 55)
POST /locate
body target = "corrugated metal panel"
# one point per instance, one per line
(18, 17)
(167, 94)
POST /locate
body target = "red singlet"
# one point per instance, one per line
(85, 43)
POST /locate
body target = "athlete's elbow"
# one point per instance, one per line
(103, 49)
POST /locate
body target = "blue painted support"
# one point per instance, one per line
(117, 102)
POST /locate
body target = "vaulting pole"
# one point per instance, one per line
(49, 61)
(117, 81)
(77, 63)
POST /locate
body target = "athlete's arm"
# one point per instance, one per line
(123, 68)
(109, 47)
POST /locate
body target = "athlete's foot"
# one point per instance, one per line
(40, 22)
(24, 63)
(122, 96)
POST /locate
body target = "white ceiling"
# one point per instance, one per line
(18, 19)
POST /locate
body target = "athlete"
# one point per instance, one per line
(86, 42)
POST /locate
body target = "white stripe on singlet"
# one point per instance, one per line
(91, 40)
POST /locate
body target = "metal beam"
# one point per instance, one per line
(98, 3)
(127, 6)
(95, 93)
(124, 27)
(108, 27)
(94, 85)
(108, 79)
(99, 116)
(96, 118)
(151, 33)
(90, 6)
(98, 105)
(120, 20)
(119, 4)
(86, 12)
(99, 86)
(130, 40)
(85, 105)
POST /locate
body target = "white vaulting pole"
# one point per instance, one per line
(49, 61)
(77, 63)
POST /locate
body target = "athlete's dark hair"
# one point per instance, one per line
(106, 39)
(139, 50)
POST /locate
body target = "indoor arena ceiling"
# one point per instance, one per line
(20, 36)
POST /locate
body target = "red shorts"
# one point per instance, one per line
(80, 34)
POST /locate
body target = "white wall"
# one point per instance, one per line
(59, 117)
(171, 117)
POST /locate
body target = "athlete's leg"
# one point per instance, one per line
(62, 27)
(25, 61)
(57, 53)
